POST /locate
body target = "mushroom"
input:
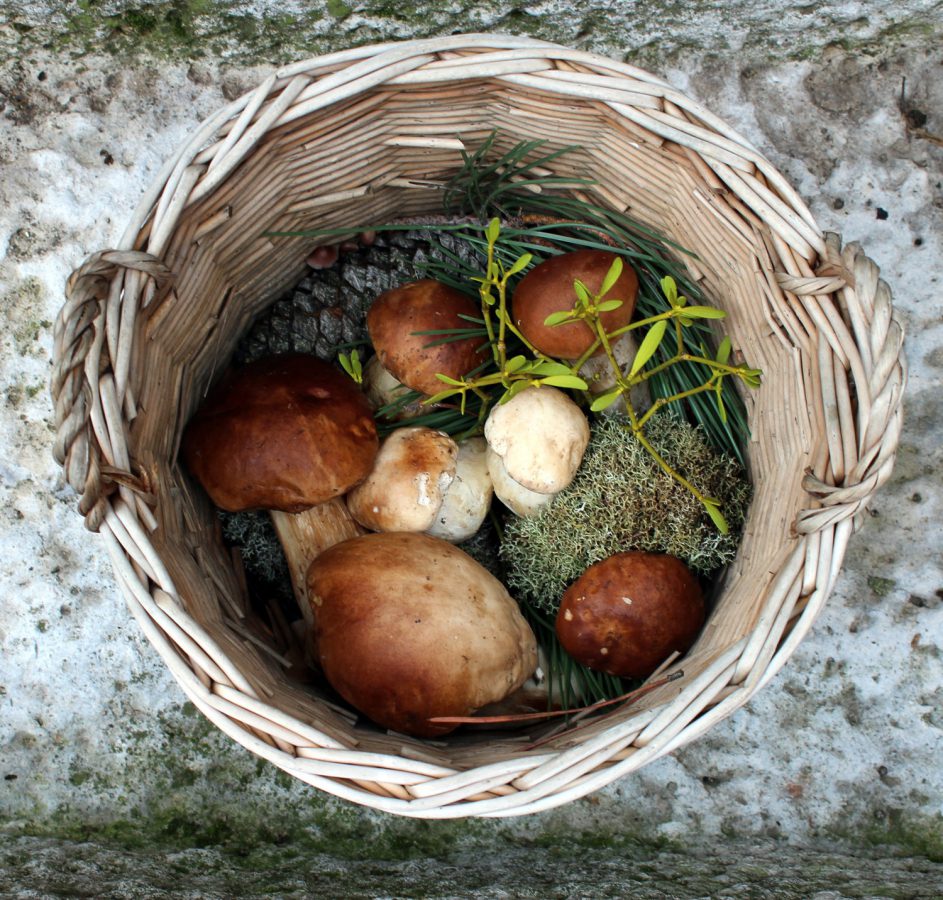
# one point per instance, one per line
(398, 316)
(405, 488)
(382, 389)
(468, 497)
(423, 481)
(540, 436)
(597, 373)
(408, 627)
(548, 288)
(626, 614)
(288, 434)
(324, 257)
(517, 498)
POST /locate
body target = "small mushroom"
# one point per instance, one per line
(408, 627)
(396, 320)
(382, 389)
(548, 288)
(324, 257)
(289, 434)
(540, 436)
(517, 498)
(626, 614)
(598, 375)
(468, 497)
(407, 484)
(424, 481)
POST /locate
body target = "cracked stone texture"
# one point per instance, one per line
(96, 739)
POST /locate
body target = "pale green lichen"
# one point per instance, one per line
(620, 500)
(254, 535)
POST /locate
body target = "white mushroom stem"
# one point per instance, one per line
(382, 389)
(597, 373)
(306, 535)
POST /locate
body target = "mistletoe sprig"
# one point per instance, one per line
(589, 308)
(351, 364)
(513, 374)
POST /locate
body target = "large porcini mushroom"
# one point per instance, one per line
(626, 614)
(539, 436)
(408, 627)
(395, 320)
(288, 434)
(548, 288)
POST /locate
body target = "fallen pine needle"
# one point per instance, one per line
(583, 710)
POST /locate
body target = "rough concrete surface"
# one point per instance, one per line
(840, 753)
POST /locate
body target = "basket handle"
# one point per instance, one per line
(99, 313)
(873, 343)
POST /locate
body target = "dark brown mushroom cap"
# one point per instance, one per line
(626, 614)
(548, 288)
(283, 433)
(423, 306)
(407, 627)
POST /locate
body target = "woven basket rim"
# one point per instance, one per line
(830, 301)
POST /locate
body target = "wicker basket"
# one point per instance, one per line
(365, 136)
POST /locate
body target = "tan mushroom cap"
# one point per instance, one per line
(548, 288)
(407, 627)
(283, 433)
(405, 489)
(540, 435)
(626, 614)
(426, 305)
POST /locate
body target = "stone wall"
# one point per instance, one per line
(95, 737)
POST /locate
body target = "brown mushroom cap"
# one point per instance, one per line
(626, 614)
(423, 306)
(407, 627)
(548, 288)
(284, 433)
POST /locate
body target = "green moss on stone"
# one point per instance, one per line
(188, 29)
(657, 35)
(338, 8)
(881, 586)
(907, 834)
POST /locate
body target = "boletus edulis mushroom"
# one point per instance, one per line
(626, 614)
(395, 322)
(423, 481)
(536, 442)
(548, 288)
(288, 434)
(408, 627)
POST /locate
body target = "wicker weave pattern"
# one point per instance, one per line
(371, 133)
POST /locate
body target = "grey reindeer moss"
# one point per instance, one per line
(621, 500)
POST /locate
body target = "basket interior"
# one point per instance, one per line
(356, 164)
